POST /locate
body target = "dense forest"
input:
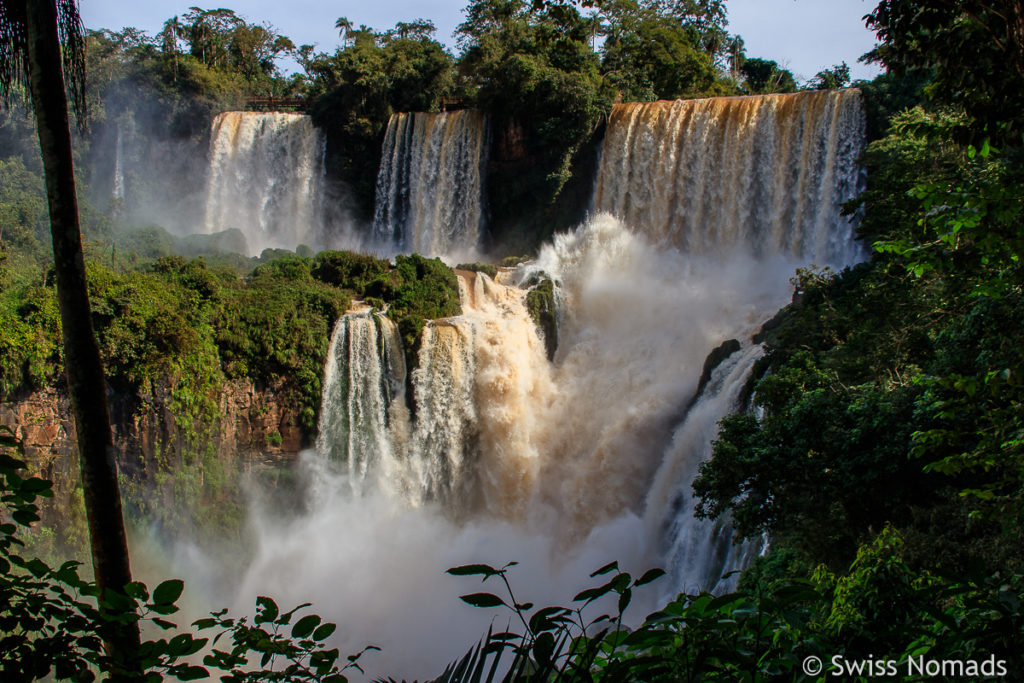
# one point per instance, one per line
(882, 456)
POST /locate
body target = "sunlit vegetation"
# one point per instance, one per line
(540, 304)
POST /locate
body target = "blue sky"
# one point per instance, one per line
(805, 36)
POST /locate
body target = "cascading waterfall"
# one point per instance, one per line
(770, 172)
(446, 419)
(459, 451)
(265, 178)
(364, 391)
(698, 553)
(637, 322)
(500, 432)
(430, 184)
(479, 376)
(766, 175)
(707, 207)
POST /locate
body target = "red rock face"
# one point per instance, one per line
(148, 435)
(42, 420)
(252, 414)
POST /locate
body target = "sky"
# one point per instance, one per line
(804, 36)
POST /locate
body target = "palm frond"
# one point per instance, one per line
(14, 65)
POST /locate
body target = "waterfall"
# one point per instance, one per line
(698, 552)
(770, 172)
(636, 324)
(706, 208)
(478, 375)
(430, 184)
(117, 191)
(364, 391)
(265, 178)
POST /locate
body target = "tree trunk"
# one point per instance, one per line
(83, 367)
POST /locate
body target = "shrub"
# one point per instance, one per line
(348, 270)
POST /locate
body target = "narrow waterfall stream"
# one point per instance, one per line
(430, 185)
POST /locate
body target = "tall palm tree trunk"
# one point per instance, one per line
(83, 367)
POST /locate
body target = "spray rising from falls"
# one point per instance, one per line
(265, 179)
(770, 172)
(430, 184)
(697, 553)
(480, 377)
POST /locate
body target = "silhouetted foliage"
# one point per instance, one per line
(764, 76)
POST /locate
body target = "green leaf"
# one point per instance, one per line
(649, 576)
(304, 626)
(624, 599)
(324, 631)
(168, 592)
(191, 673)
(286, 618)
(542, 619)
(610, 567)
(592, 594)
(266, 610)
(37, 568)
(473, 570)
(165, 610)
(543, 648)
(180, 645)
(137, 590)
(482, 600)
(36, 485)
(24, 516)
(504, 635)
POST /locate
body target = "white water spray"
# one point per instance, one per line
(510, 457)
(364, 390)
(117, 192)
